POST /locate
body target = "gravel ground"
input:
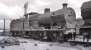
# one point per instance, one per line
(29, 44)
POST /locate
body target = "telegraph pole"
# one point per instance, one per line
(25, 12)
(25, 17)
(25, 9)
(4, 25)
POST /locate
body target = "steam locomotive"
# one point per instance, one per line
(50, 25)
(85, 13)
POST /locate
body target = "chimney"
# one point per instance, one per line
(65, 5)
(47, 10)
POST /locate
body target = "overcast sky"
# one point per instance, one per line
(14, 8)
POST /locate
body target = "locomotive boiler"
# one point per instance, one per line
(50, 25)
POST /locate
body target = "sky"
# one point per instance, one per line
(14, 9)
